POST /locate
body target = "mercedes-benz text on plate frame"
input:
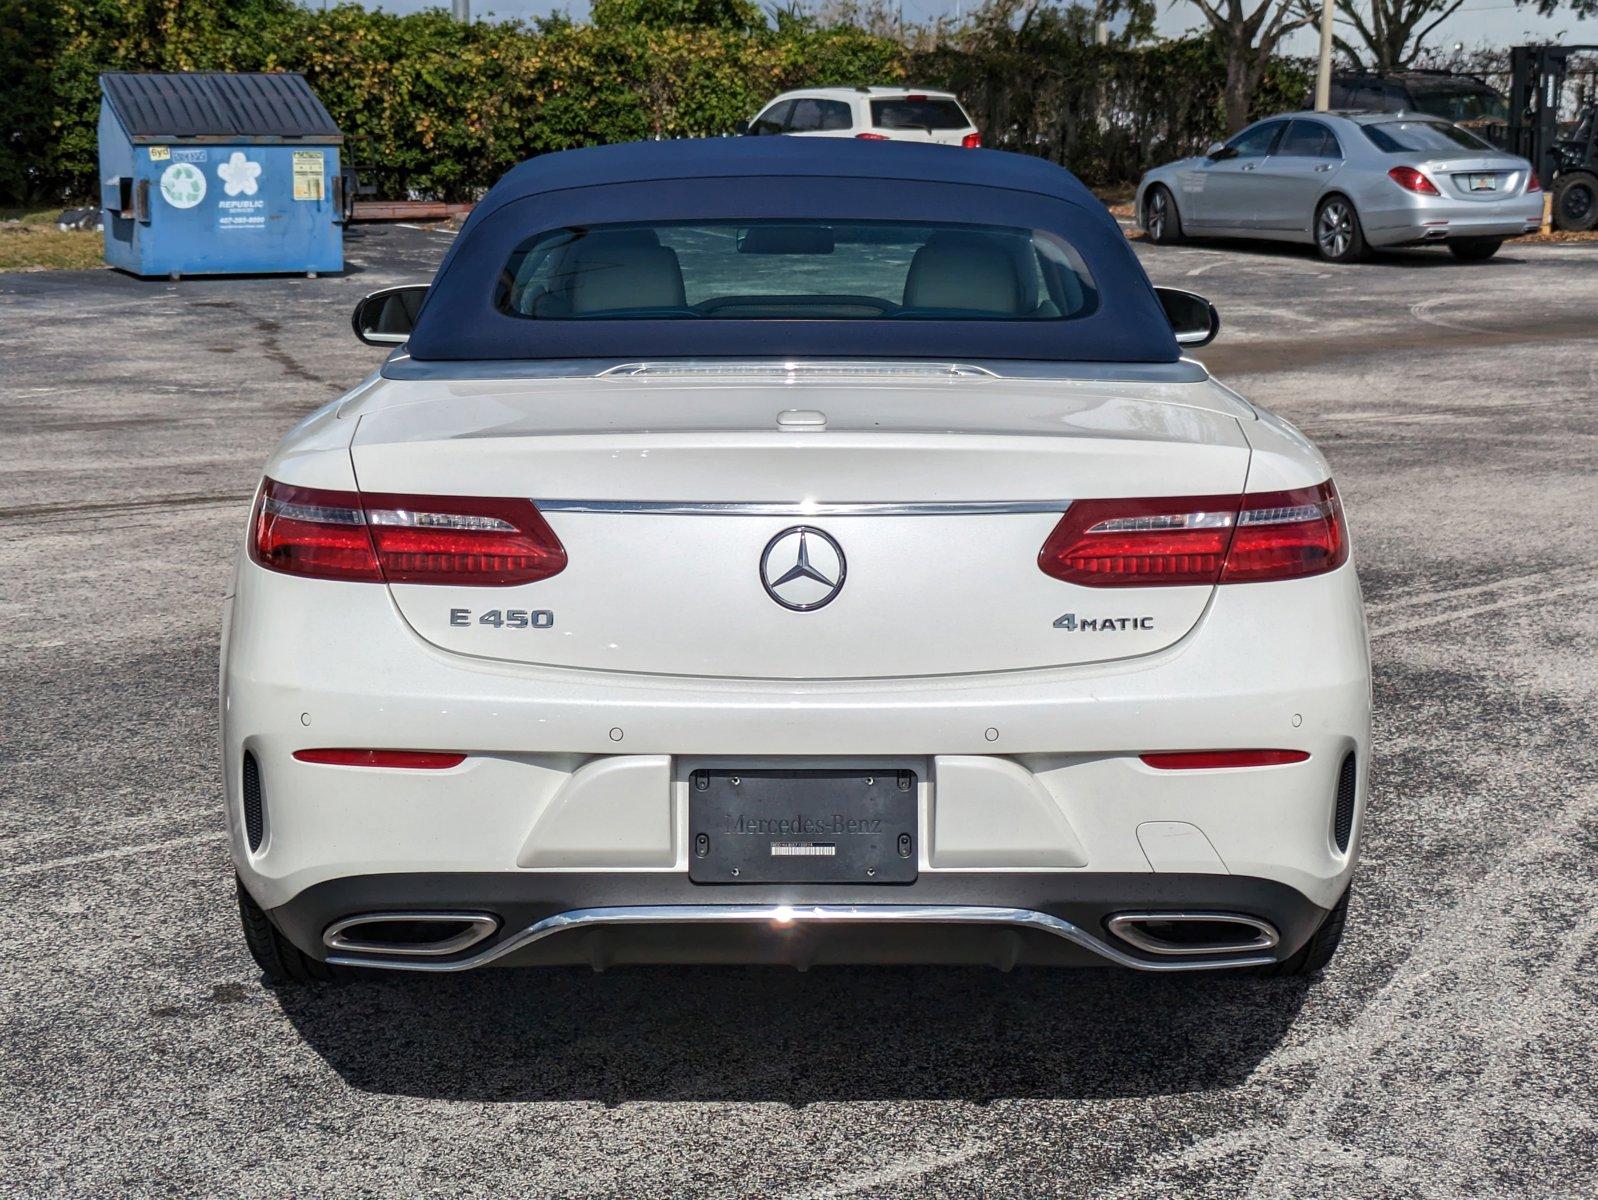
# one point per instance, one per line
(803, 568)
(552, 643)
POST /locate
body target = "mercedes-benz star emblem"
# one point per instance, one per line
(802, 568)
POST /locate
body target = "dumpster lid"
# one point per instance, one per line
(218, 106)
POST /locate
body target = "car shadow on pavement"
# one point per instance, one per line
(776, 1035)
(1427, 257)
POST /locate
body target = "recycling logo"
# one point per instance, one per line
(183, 185)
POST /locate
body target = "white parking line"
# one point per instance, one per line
(1461, 613)
(910, 1167)
(1423, 310)
(1466, 966)
(120, 852)
(1542, 578)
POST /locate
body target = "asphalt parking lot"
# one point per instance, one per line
(1450, 1050)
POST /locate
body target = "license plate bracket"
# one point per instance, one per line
(845, 825)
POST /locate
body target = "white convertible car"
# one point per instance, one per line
(776, 550)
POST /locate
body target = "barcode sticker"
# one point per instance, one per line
(803, 849)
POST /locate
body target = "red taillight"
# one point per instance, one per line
(1532, 183)
(1174, 540)
(468, 541)
(871, 137)
(1132, 543)
(1209, 760)
(312, 531)
(972, 141)
(1285, 535)
(462, 540)
(411, 760)
(1412, 180)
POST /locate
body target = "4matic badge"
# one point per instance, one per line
(1102, 624)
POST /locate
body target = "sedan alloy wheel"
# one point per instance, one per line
(1337, 232)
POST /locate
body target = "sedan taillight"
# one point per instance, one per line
(468, 541)
(1533, 184)
(1412, 180)
(1174, 540)
(871, 137)
(972, 141)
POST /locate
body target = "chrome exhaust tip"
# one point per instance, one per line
(1177, 933)
(427, 934)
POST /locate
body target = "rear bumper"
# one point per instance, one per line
(1032, 794)
(603, 919)
(1424, 219)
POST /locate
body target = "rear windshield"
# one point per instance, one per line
(1422, 137)
(918, 112)
(796, 270)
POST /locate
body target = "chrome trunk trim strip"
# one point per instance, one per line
(821, 368)
(761, 508)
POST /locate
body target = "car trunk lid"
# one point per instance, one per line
(1479, 177)
(668, 495)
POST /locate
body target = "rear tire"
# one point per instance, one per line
(1475, 249)
(279, 959)
(1575, 202)
(1160, 218)
(1338, 235)
(1318, 951)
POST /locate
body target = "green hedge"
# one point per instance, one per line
(1107, 111)
(443, 109)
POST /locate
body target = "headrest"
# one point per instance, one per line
(623, 270)
(974, 272)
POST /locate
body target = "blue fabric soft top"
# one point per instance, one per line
(785, 178)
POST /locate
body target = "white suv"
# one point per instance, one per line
(876, 114)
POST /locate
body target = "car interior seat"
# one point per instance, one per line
(973, 272)
(620, 269)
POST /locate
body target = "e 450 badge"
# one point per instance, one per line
(1101, 624)
(507, 618)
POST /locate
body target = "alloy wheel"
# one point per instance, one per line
(1157, 214)
(1335, 232)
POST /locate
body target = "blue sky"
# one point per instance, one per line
(1494, 22)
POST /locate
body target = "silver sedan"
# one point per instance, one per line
(1346, 182)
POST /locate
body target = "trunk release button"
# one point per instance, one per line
(801, 418)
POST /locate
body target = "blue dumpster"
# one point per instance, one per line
(208, 173)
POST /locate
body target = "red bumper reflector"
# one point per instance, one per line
(411, 760)
(1209, 760)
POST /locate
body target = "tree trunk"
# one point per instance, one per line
(1239, 87)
